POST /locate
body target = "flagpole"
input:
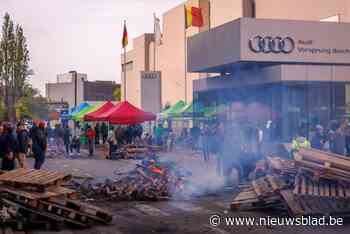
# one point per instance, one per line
(185, 51)
(155, 42)
(124, 68)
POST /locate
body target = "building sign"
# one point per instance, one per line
(269, 41)
(150, 75)
(151, 94)
(268, 44)
(290, 41)
(259, 44)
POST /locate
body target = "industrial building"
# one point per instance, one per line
(74, 88)
(171, 54)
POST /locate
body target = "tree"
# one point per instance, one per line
(32, 105)
(14, 66)
(117, 94)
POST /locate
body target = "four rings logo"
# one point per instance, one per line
(275, 45)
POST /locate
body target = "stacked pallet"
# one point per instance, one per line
(314, 183)
(37, 197)
(323, 165)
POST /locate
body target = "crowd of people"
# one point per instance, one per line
(231, 145)
(334, 138)
(16, 142)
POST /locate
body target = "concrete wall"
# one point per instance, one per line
(172, 55)
(315, 73)
(57, 92)
(140, 58)
(223, 11)
(303, 9)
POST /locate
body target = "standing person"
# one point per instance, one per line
(206, 143)
(90, 134)
(232, 153)
(2, 142)
(97, 132)
(338, 144)
(300, 141)
(219, 149)
(23, 144)
(9, 148)
(59, 135)
(67, 139)
(195, 132)
(104, 132)
(318, 140)
(75, 145)
(158, 133)
(39, 145)
(347, 141)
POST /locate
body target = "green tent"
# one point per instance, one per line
(176, 108)
(208, 111)
(185, 110)
(80, 115)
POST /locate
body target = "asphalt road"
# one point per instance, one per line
(176, 216)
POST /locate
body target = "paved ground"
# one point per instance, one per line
(178, 216)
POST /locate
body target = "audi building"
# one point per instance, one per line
(299, 71)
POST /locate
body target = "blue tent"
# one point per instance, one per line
(74, 110)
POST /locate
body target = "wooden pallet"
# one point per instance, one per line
(36, 180)
(281, 166)
(313, 205)
(325, 188)
(31, 198)
(260, 194)
(101, 214)
(323, 166)
(72, 211)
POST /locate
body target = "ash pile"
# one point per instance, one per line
(152, 180)
(313, 183)
(37, 199)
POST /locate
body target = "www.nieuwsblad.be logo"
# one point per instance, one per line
(269, 44)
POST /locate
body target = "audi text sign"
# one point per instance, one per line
(269, 44)
(249, 40)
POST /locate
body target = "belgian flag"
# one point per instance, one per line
(193, 17)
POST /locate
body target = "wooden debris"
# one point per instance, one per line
(35, 180)
(324, 188)
(281, 166)
(260, 194)
(37, 197)
(320, 185)
(323, 164)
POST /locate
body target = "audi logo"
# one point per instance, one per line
(269, 44)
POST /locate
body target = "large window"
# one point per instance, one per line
(294, 107)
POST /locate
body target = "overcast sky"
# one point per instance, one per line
(82, 35)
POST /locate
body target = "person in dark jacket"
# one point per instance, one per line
(97, 134)
(337, 141)
(104, 132)
(10, 147)
(23, 144)
(39, 145)
(318, 140)
(67, 138)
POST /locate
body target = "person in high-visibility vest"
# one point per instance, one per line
(300, 142)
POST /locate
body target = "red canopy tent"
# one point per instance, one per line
(103, 116)
(93, 116)
(126, 113)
